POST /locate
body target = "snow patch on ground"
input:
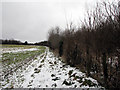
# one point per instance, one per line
(14, 50)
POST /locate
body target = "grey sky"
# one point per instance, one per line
(31, 19)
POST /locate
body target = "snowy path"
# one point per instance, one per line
(49, 71)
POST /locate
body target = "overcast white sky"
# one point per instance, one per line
(31, 19)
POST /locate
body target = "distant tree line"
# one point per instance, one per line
(94, 47)
(42, 43)
(12, 41)
(17, 42)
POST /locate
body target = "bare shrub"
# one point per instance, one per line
(94, 46)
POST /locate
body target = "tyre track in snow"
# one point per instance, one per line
(51, 72)
(5, 72)
(17, 72)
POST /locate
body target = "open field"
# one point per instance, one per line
(13, 46)
(15, 56)
(39, 68)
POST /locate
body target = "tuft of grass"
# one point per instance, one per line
(56, 78)
(88, 82)
(36, 70)
(70, 72)
(68, 83)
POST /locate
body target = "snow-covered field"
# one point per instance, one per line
(14, 50)
(48, 71)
